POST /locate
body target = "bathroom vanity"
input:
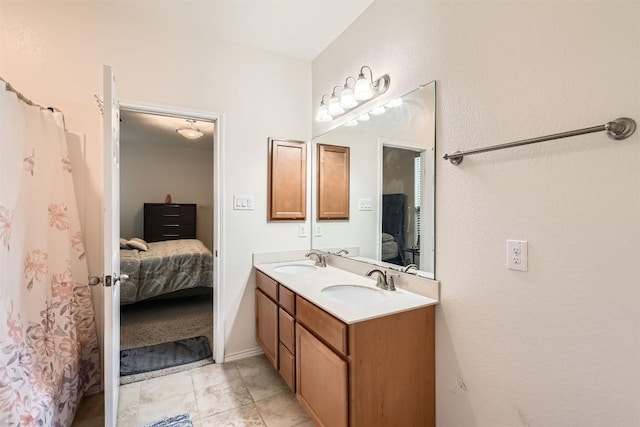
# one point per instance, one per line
(355, 355)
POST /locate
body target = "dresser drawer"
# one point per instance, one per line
(286, 331)
(287, 367)
(325, 326)
(287, 300)
(267, 285)
(169, 221)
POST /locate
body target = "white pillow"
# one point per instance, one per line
(138, 244)
(123, 243)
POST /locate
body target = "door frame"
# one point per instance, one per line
(217, 211)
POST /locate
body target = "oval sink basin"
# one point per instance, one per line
(294, 268)
(353, 294)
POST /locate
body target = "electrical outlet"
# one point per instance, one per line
(517, 255)
(302, 230)
(317, 230)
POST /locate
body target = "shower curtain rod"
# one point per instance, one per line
(24, 99)
(618, 129)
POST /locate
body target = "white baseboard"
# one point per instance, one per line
(243, 354)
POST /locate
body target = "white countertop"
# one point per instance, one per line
(310, 284)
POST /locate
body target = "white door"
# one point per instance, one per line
(111, 238)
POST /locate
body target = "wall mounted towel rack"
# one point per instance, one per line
(617, 129)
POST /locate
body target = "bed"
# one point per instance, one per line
(164, 268)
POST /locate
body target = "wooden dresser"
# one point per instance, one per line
(169, 221)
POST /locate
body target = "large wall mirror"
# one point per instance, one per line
(391, 188)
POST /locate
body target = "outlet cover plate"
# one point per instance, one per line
(517, 255)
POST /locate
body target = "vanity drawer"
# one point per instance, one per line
(324, 325)
(287, 367)
(287, 300)
(287, 331)
(267, 285)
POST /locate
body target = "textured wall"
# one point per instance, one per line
(167, 54)
(560, 344)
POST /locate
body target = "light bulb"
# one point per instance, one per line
(351, 123)
(323, 113)
(346, 98)
(394, 103)
(334, 106)
(378, 110)
(363, 90)
(364, 117)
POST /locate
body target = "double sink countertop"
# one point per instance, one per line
(309, 284)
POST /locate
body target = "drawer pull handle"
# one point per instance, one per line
(171, 215)
(170, 235)
(171, 225)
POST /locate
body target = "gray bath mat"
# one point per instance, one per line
(183, 420)
(161, 356)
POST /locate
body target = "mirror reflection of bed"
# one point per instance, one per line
(166, 229)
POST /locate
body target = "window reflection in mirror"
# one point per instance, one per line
(391, 199)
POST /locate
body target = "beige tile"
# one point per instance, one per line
(222, 397)
(128, 417)
(214, 374)
(176, 405)
(253, 365)
(129, 396)
(267, 384)
(282, 410)
(244, 416)
(161, 388)
(306, 424)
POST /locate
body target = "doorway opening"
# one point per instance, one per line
(402, 192)
(169, 200)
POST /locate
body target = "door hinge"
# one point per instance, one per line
(107, 281)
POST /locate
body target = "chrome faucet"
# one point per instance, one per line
(342, 251)
(384, 280)
(321, 260)
(409, 267)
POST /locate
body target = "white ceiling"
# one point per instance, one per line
(154, 130)
(297, 28)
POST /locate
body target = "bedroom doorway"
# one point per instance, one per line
(169, 180)
(402, 191)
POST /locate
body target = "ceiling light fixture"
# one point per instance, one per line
(364, 90)
(190, 132)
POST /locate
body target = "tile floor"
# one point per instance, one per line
(246, 392)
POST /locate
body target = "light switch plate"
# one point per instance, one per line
(243, 203)
(365, 204)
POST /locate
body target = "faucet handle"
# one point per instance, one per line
(391, 286)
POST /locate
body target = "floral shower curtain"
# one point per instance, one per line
(48, 348)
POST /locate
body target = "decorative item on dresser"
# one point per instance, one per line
(172, 221)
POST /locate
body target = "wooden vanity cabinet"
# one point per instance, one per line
(378, 372)
(267, 326)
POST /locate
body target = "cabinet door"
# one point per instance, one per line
(287, 180)
(267, 326)
(321, 380)
(333, 182)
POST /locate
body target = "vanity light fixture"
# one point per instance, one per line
(190, 132)
(364, 117)
(364, 90)
(334, 103)
(351, 123)
(323, 112)
(347, 100)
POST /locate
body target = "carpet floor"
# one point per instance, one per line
(154, 322)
